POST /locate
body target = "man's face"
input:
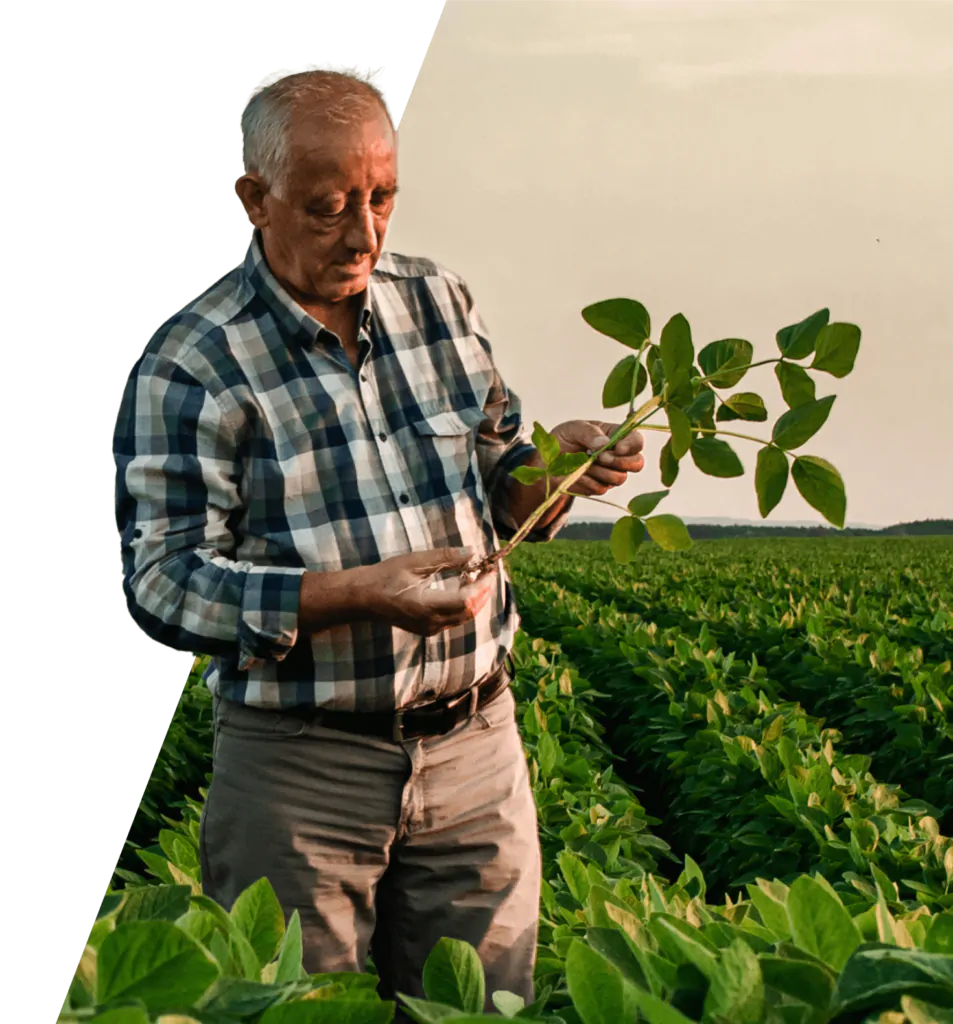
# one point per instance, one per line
(324, 236)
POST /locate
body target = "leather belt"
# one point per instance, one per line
(434, 718)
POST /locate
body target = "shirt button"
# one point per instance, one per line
(404, 498)
(364, 378)
(382, 436)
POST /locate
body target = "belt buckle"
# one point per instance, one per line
(397, 734)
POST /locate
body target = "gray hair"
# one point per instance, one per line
(344, 97)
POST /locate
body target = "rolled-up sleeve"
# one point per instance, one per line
(178, 472)
(504, 442)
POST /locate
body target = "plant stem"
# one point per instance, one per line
(602, 501)
(727, 433)
(563, 488)
(736, 369)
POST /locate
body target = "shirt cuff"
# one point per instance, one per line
(504, 523)
(268, 623)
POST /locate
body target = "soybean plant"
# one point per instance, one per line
(692, 396)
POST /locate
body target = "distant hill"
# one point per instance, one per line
(602, 529)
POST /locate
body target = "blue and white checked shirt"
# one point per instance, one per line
(249, 450)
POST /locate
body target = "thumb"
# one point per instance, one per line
(592, 434)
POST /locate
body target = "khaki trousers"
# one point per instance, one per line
(381, 847)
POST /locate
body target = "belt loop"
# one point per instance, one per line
(474, 700)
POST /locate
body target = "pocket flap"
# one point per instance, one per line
(450, 422)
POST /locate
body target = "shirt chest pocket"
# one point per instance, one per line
(444, 457)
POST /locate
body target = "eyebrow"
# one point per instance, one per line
(317, 197)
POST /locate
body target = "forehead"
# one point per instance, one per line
(321, 149)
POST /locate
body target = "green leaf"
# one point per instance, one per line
(736, 991)
(200, 925)
(574, 872)
(567, 462)
(716, 457)
(837, 347)
(643, 504)
(157, 865)
(797, 341)
(657, 1011)
(623, 320)
(821, 486)
(121, 1015)
(728, 359)
(627, 534)
(258, 916)
(236, 997)
(798, 425)
(528, 474)
(545, 444)
(426, 1011)
(939, 937)
(289, 966)
(877, 975)
(681, 431)
(668, 464)
(454, 975)
(546, 753)
(243, 956)
(820, 924)
(653, 362)
(596, 987)
(745, 405)
(676, 350)
(508, 1003)
(770, 479)
(669, 532)
(682, 943)
(771, 909)
(797, 385)
(156, 962)
(330, 1011)
(616, 946)
(919, 1012)
(154, 903)
(701, 405)
(810, 982)
(618, 387)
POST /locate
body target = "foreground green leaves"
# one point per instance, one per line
(624, 931)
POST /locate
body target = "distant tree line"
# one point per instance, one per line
(714, 531)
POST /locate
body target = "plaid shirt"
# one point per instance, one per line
(249, 450)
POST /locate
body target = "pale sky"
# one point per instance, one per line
(735, 162)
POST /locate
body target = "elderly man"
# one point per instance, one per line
(298, 450)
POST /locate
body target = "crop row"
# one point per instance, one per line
(620, 939)
(751, 785)
(859, 632)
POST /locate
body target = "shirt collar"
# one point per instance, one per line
(291, 317)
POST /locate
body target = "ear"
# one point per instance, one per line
(251, 191)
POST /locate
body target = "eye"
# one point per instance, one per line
(329, 207)
(383, 198)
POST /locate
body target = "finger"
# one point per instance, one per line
(609, 477)
(587, 487)
(618, 466)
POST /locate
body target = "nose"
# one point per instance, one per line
(361, 235)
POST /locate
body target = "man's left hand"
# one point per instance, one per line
(612, 467)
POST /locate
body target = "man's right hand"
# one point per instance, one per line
(400, 591)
